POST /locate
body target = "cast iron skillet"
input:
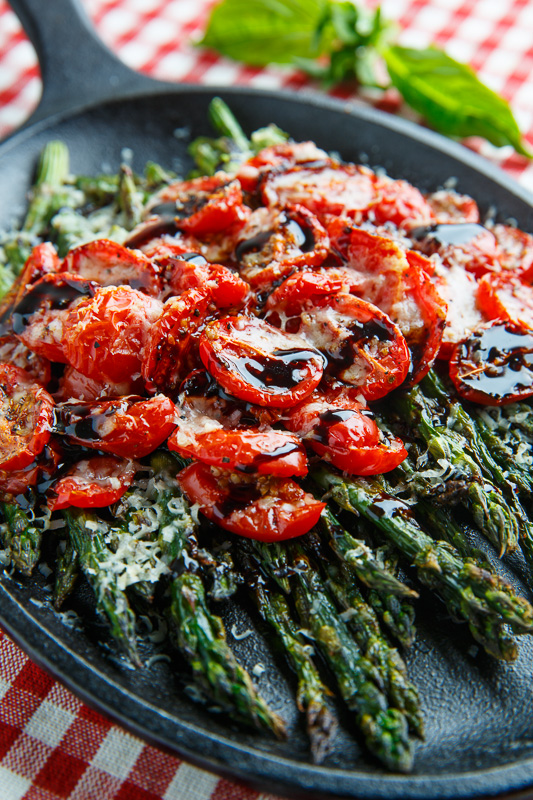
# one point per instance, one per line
(479, 717)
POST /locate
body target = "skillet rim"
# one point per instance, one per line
(26, 631)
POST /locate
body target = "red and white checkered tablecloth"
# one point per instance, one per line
(52, 746)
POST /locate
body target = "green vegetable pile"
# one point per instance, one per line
(339, 601)
(338, 40)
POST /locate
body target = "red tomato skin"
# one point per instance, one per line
(21, 397)
(227, 289)
(315, 309)
(40, 316)
(508, 376)
(171, 350)
(128, 427)
(245, 450)
(90, 483)
(366, 460)
(74, 385)
(13, 351)
(293, 513)
(505, 295)
(111, 264)
(105, 335)
(207, 205)
(277, 372)
(399, 202)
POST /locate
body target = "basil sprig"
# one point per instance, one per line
(337, 40)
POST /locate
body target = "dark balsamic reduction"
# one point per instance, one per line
(253, 245)
(327, 419)
(266, 458)
(302, 235)
(54, 296)
(167, 211)
(194, 258)
(342, 357)
(284, 369)
(505, 354)
(389, 507)
(453, 233)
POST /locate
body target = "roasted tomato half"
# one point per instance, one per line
(256, 362)
(270, 509)
(204, 206)
(111, 264)
(343, 433)
(275, 242)
(172, 344)
(26, 418)
(40, 317)
(104, 336)
(362, 346)
(130, 427)
(93, 482)
(398, 286)
(494, 366)
(506, 295)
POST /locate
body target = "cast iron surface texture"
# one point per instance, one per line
(478, 712)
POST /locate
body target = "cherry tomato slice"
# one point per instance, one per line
(342, 433)
(13, 351)
(257, 362)
(467, 244)
(515, 250)
(42, 260)
(40, 316)
(399, 202)
(15, 482)
(129, 427)
(193, 271)
(26, 418)
(94, 482)
(104, 336)
(333, 190)
(172, 348)
(74, 385)
(505, 295)
(278, 510)
(279, 158)
(399, 286)
(362, 345)
(275, 242)
(494, 366)
(204, 206)
(244, 451)
(111, 264)
(450, 206)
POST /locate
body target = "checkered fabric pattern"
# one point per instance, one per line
(52, 747)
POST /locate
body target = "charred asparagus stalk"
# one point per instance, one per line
(470, 592)
(201, 639)
(111, 600)
(311, 693)
(385, 729)
(497, 516)
(67, 567)
(364, 624)
(359, 557)
(21, 537)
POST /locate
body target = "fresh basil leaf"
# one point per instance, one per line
(260, 32)
(451, 97)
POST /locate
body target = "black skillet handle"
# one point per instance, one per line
(77, 69)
